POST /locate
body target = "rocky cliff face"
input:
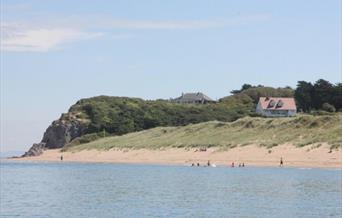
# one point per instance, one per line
(59, 133)
(35, 150)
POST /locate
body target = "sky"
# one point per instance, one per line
(54, 53)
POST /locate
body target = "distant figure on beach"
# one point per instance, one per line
(61, 157)
(208, 163)
(281, 162)
(239, 165)
(232, 164)
(243, 164)
(203, 149)
(192, 164)
(198, 164)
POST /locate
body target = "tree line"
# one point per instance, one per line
(322, 95)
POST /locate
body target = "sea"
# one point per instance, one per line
(59, 190)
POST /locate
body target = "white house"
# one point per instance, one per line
(276, 107)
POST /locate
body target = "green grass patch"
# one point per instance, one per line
(300, 131)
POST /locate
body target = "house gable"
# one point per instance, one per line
(276, 107)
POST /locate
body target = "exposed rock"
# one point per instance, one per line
(35, 150)
(59, 133)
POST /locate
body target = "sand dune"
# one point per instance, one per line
(251, 155)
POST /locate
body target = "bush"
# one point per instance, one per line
(121, 115)
(328, 107)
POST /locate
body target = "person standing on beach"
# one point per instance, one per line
(281, 162)
(208, 163)
(61, 157)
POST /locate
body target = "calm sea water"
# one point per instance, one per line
(113, 190)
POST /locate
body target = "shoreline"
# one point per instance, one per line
(251, 155)
(260, 165)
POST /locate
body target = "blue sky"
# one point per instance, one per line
(56, 52)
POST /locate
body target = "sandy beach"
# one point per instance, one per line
(251, 155)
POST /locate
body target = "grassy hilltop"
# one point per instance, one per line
(225, 123)
(121, 115)
(300, 131)
(105, 115)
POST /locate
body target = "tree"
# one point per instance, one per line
(303, 95)
(310, 96)
(323, 92)
(244, 87)
(336, 98)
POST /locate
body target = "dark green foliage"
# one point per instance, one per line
(303, 96)
(322, 93)
(244, 87)
(120, 115)
(336, 98)
(312, 97)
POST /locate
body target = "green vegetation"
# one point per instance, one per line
(319, 96)
(322, 95)
(255, 92)
(121, 115)
(269, 132)
(118, 115)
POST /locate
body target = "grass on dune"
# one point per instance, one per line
(301, 130)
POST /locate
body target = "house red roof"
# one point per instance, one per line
(271, 103)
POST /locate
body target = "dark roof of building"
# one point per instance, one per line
(199, 96)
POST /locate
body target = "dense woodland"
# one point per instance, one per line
(120, 115)
(321, 95)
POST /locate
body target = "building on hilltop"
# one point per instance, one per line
(193, 98)
(276, 107)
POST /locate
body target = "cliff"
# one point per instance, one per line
(59, 133)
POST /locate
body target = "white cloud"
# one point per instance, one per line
(44, 36)
(16, 38)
